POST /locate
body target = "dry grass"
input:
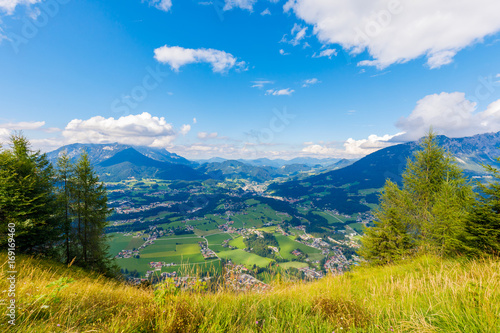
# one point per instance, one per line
(426, 295)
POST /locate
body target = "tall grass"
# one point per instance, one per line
(428, 294)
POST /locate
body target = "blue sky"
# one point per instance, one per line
(248, 78)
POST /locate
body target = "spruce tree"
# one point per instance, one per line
(27, 197)
(389, 240)
(483, 224)
(65, 180)
(91, 211)
(427, 214)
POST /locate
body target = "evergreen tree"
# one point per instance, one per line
(483, 224)
(27, 197)
(91, 212)
(427, 214)
(65, 180)
(389, 239)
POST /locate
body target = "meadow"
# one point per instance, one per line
(426, 294)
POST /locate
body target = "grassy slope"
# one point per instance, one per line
(426, 295)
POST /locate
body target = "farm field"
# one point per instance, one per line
(119, 242)
(241, 257)
(287, 245)
(293, 264)
(217, 239)
(238, 242)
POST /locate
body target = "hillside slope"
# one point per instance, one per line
(425, 295)
(130, 163)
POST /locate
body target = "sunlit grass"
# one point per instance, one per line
(426, 295)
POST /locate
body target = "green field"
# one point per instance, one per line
(358, 227)
(293, 264)
(332, 218)
(176, 249)
(119, 242)
(217, 239)
(238, 242)
(241, 257)
(287, 245)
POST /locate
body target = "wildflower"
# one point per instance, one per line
(58, 325)
(256, 322)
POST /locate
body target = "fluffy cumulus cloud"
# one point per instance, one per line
(176, 57)
(367, 146)
(280, 92)
(350, 148)
(397, 31)
(164, 5)
(185, 129)
(319, 150)
(142, 129)
(8, 6)
(243, 4)
(450, 114)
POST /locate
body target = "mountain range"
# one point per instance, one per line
(350, 188)
(115, 162)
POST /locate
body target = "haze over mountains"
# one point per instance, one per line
(115, 162)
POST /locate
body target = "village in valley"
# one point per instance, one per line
(152, 244)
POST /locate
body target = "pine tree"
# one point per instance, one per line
(27, 197)
(427, 214)
(483, 224)
(65, 179)
(389, 240)
(91, 211)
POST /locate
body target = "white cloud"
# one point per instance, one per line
(205, 135)
(400, 30)
(185, 129)
(23, 125)
(176, 57)
(310, 82)
(164, 5)
(282, 52)
(350, 148)
(280, 92)
(326, 53)
(4, 135)
(367, 146)
(265, 12)
(315, 149)
(450, 114)
(195, 121)
(9, 6)
(260, 84)
(298, 33)
(142, 129)
(243, 4)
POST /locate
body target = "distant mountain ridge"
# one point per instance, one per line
(129, 163)
(343, 188)
(277, 163)
(99, 152)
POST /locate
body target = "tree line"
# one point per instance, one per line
(58, 211)
(437, 210)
